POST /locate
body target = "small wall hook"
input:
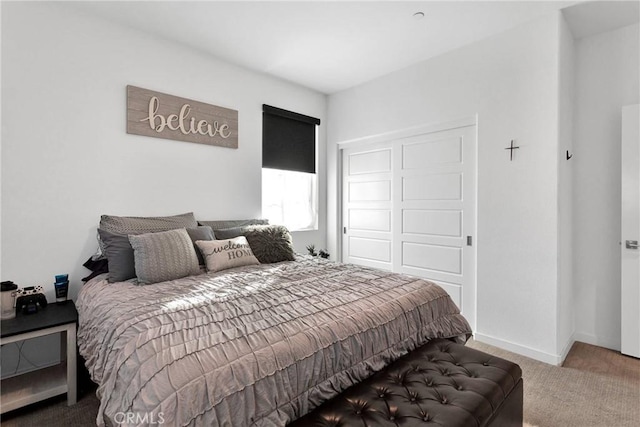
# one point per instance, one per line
(569, 155)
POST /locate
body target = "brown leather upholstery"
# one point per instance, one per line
(441, 383)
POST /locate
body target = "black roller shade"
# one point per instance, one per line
(288, 140)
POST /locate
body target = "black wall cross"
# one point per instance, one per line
(511, 148)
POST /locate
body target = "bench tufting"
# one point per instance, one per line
(440, 383)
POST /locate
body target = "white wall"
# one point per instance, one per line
(511, 81)
(66, 158)
(607, 74)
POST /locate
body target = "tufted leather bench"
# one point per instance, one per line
(441, 383)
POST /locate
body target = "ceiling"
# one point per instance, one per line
(587, 19)
(326, 46)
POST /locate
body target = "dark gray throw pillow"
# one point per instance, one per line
(119, 255)
(163, 256)
(202, 232)
(228, 233)
(270, 243)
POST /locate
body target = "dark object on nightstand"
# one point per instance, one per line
(28, 304)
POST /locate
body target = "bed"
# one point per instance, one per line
(189, 327)
(258, 345)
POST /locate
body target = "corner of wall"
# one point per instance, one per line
(565, 92)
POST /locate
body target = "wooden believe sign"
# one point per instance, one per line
(160, 115)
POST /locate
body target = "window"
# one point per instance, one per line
(290, 198)
(289, 182)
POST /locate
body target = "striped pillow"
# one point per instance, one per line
(146, 224)
(162, 256)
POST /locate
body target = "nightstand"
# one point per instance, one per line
(44, 383)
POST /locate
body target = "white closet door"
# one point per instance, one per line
(409, 206)
(367, 206)
(434, 179)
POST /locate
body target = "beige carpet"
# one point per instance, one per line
(55, 413)
(567, 397)
(606, 395)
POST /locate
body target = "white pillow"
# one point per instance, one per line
(222, 254)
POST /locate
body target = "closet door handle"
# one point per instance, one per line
(632, 244)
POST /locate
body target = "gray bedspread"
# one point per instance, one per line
(251, 346)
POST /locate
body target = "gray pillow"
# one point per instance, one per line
(270, 243)
(141, 224)
(202, 232)
(119, 255)
(228, 233)
(232, 223)
(163, 256)
(144, 224)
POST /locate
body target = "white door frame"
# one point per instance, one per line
(405, 133)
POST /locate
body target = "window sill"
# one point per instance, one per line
(304, 230)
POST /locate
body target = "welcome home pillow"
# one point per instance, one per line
(223, 254)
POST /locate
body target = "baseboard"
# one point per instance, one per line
(552, 359)
(595, 340)
(567, 348)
